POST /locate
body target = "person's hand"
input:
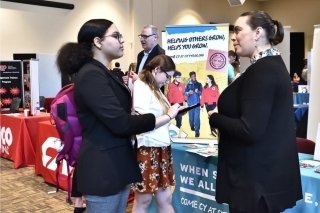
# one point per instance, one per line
(183, 107)
(196, 90)
(210, 113)
(190, 92)
(133, 75)
(173, 110)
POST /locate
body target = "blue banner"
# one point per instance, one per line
(195, 183)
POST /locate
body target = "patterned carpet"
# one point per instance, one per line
(22, 191)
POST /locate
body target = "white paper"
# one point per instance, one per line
(206, 152)
(175, 132)
(309, 163)
(194, 140)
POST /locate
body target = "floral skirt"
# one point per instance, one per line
(156, 167)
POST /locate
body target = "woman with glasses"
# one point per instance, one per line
(154, 150)
(107, 162)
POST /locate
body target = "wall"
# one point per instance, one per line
(302, 21)
(314, 101)
(28, 28)
(37, 29)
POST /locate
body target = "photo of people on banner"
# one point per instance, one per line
(201, 56)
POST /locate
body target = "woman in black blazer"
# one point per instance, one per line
(107, 163)
(258, 168)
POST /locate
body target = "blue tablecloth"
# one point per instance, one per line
(300, 98)
(299, 111)
(311, 190)
(195, 185)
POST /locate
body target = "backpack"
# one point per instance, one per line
(64, 114)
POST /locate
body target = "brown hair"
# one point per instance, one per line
(166, 64)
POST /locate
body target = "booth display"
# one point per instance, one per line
(195, 181)
(300, 98)
(46, 152)
(203, 50)
(310, 186)
(195, 175)
(26, 83)
(18, 137)
(11, 82)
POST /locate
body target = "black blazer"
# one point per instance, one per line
(258, 156)
(157, 50)
(107, 161)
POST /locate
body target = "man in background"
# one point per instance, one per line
(117, 71)
(149, 42)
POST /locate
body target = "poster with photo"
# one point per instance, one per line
(11, 82)
(201, 50)
(303, 89)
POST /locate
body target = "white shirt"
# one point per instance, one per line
(143, 61)
(144, 101)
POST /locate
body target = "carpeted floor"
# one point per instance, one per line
(22, 191)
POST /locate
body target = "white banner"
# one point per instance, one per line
(202, 49)
(34, 82)
(317, 149)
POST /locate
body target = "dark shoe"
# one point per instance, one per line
(79, 209)
(197, 135)
(192, 128)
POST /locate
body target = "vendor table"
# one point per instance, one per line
(19, 137)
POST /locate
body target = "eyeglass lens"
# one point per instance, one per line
(145, 36)
(116, 35)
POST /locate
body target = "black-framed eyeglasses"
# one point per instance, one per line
(167, 75)
(145, 36)
(116, 35)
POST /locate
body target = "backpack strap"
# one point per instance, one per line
(68, 199)
(57, 176)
